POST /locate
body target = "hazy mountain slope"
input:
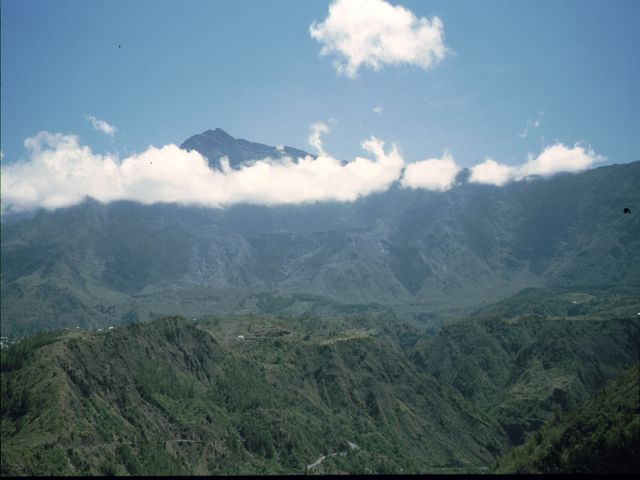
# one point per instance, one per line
(167, 396)
(424, 254)
(603, 436)
(519, 365)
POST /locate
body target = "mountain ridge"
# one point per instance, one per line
(425, 255)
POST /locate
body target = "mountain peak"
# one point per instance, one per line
(214, 144)
(218, 133)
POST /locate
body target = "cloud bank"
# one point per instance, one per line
(101, 126)
(374, 33)
(60, 172)
(553, 159)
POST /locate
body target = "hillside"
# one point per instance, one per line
(427, 256)
(518, 364)
(173, 397)
(603, 436)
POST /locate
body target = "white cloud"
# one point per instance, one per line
(560, 158)
(60, 172)
(378, 109)
(374, 33)
(315, 140)
(553, 159)
(492, 173)
(436, 174)
(101, 126)
(531, 124)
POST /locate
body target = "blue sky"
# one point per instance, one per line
(252, 68)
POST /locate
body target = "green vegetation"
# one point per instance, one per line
(256, 394)
(517, 366)
(578, 303)
(173, 396)
(603, 436)
(15, 357)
